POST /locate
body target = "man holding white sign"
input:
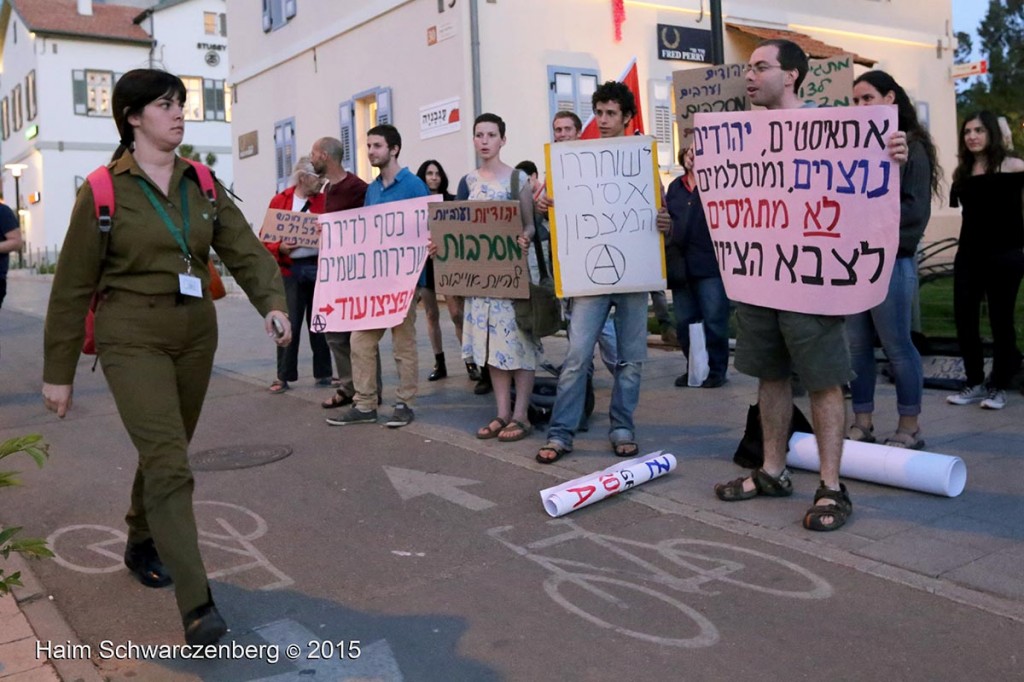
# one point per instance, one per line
(604, 269)
(797, 333)
(395, 183)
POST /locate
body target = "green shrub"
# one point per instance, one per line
(31, 547)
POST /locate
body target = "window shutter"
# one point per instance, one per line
(268, 17)
(209, 99)
(289, 152)
(660, 97)
(585, 87)
(384, 113)
(80, 92)
(346, 113)
(289, 9)
(564, 90)
(223, 24)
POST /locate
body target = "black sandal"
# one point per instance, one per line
(557, 448)
(764, 484)
(625, 448)
(839, 511)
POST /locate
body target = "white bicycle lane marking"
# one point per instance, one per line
(229, 539)
(716, 562)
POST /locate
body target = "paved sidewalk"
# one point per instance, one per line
(969, 549)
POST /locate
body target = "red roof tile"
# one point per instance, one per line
(61, 17)
(814, 48)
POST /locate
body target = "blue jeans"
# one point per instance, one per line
(890, 319)
(588, 318)
(704, 299)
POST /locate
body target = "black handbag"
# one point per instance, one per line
(541, 314)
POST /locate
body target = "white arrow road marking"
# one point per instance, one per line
(376, 661)
(410, 483)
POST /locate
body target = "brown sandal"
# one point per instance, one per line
(487, 432)
(764, 484)
(515, 430)
(336, 400)
(557, 449)
(839, 510)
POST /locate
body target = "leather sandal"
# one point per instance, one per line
(515, 430)
(764, 484)
(839, 511)
(278, 387)
(557, 449)
(859, 434)
(338, 400)
(625, 448)
(903, 439)
(487, 432)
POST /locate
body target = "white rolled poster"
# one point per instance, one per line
(584, 491)
(926, 472)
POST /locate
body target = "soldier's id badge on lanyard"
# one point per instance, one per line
(190, 285)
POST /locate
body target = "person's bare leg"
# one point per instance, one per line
(456, 311)
(775, 399)
(501, 380)
(524, 387)
(828, 415)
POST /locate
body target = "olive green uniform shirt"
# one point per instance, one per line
(144, 258)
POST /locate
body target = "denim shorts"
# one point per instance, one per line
(774, 344)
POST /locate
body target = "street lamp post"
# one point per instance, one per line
(16, 170)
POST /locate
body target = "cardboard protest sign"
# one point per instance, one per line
(711, 89)
(803, 205)
(477, 251)
(370, 261)
(604, 237)
(829, 82)
(292, 228)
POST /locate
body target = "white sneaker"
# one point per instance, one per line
(969, 395)
(996, 400)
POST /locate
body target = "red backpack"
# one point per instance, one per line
(102, 185)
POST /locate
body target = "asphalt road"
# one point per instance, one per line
(432, 554)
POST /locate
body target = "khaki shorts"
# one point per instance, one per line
(774, 344)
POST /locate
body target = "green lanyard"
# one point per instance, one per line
(180, 236)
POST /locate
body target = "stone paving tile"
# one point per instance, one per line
(45, 673)
(14, 627)
(19, 656)
(1001, 573)
(920, 553)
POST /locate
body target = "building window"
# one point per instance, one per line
(571, 89)
(284, 151)
(16, 106)
(193, 98)
(91, 91)
(277, 13)
(30, 95)
(229, 94)
(370, 108)
(216, 95)
(215, 24)
(5, 115)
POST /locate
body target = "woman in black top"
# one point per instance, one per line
(989, 186)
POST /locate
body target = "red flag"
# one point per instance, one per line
(631, 78)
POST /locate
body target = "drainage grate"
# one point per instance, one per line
(238, 457)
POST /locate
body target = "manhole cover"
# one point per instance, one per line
(238, 457)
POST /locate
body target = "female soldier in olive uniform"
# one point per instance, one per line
(156, 328)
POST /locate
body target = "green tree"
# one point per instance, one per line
(1002, 43)
(187, 151)
(31, 547)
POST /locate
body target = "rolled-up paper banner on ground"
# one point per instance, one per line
(927, 472)
(584, 491)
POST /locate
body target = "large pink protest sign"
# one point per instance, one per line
(803, 205)
(370, 261)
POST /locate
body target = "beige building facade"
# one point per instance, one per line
(303, 69)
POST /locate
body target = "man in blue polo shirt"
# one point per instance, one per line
(395, 183)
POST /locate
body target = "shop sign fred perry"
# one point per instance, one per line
(684, 44)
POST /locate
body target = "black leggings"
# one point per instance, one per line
(997, 280)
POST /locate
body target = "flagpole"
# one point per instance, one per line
(717, 44)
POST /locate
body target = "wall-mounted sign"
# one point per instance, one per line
(684, 44)
(248, 145)
(211, 46)
(440, 33)
(212, 58)
(440, 118)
